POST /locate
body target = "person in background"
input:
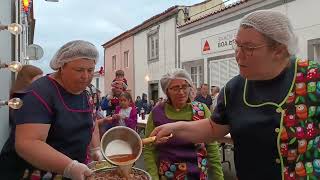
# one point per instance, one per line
(145, 104)
(270, 109)
(151, 104)
(178, 158)
(53, 129)
(97, 113)
(214, 96)
(126, 113)
(120, 79)
(138, 104)
(25, 77)
(204, 96)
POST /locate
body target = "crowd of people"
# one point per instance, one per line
(270, 109)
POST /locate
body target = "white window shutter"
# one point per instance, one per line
(221, 71)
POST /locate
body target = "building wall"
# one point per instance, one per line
(5, 74)
(305, 22)
(197, 11)
(191, 13)
(118, 50)
(98, 82)
(167, 56)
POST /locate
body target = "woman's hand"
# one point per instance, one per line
(165, 131)
(77, 171)
(116, 117)
(107, 119)
(104, 120)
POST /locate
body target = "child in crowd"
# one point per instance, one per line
(120, 79)
(126, 113)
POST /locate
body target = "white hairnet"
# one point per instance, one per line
(74, 50)
(175, 74)
(274, 25)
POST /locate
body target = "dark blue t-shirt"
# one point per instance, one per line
(253, 129)
(69, 117)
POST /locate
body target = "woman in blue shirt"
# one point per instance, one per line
(54, 127)
(271, 109)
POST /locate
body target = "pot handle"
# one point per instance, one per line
(152, 139)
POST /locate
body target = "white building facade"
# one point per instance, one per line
(155, 54)
(6, 55)
(205, 45)
(12, 48)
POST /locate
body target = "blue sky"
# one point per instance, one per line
(96, 21)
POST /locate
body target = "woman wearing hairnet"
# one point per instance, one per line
(271, 109)
(178, 158)
(53, 128)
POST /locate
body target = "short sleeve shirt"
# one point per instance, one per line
(69, 116)
(253, 129)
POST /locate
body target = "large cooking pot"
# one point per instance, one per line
(113, 173)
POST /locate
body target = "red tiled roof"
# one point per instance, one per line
(149, 22)
(215, 12)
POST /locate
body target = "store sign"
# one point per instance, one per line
(218, 43)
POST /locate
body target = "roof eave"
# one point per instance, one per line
(146, 24)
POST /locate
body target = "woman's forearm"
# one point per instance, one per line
(95, 140)
(200, 131)
(42, 156)
(195, 131)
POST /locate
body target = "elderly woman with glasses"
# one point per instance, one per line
(54, 127)
(271, 109)
(179, 158)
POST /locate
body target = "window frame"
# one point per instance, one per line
(196, 73)
(314, 49)
(126, 59)
(153, 45)
(114, 62)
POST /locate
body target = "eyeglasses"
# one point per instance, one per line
(247, 50)
(176, 89)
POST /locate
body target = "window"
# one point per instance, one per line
(317, 52)
(194, 76)
(97, 83)
(197, 75)
(126, 59)
(153, 46)
(114, 62)
(314, 49)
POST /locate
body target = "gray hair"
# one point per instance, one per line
(74, 50)
(273, 25)
(175, 74)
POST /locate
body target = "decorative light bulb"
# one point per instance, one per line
(15, 66)
(15, 103)
(146, 78)
(15, 28)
